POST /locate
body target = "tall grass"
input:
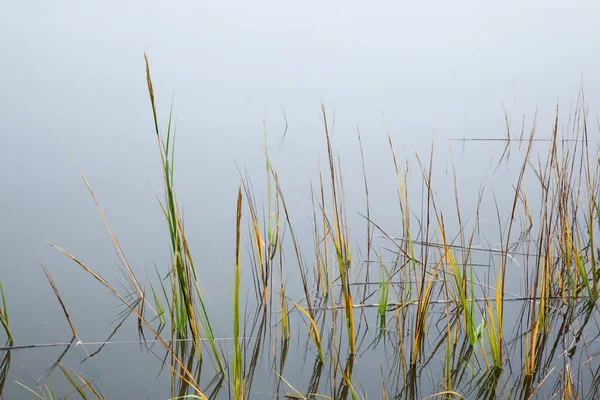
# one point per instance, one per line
(338, 232)
(186, 288)
(238, 370)
(384, 290)
(449, 307)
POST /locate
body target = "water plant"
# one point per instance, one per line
(186, 290)
(4, 316)
(492, 319)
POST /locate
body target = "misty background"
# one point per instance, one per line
(73, 86)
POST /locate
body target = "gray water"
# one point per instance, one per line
(72, 86)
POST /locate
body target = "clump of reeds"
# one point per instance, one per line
(189, 310)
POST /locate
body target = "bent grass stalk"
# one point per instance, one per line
(187, 375)
(60, 300)
(313, 330)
